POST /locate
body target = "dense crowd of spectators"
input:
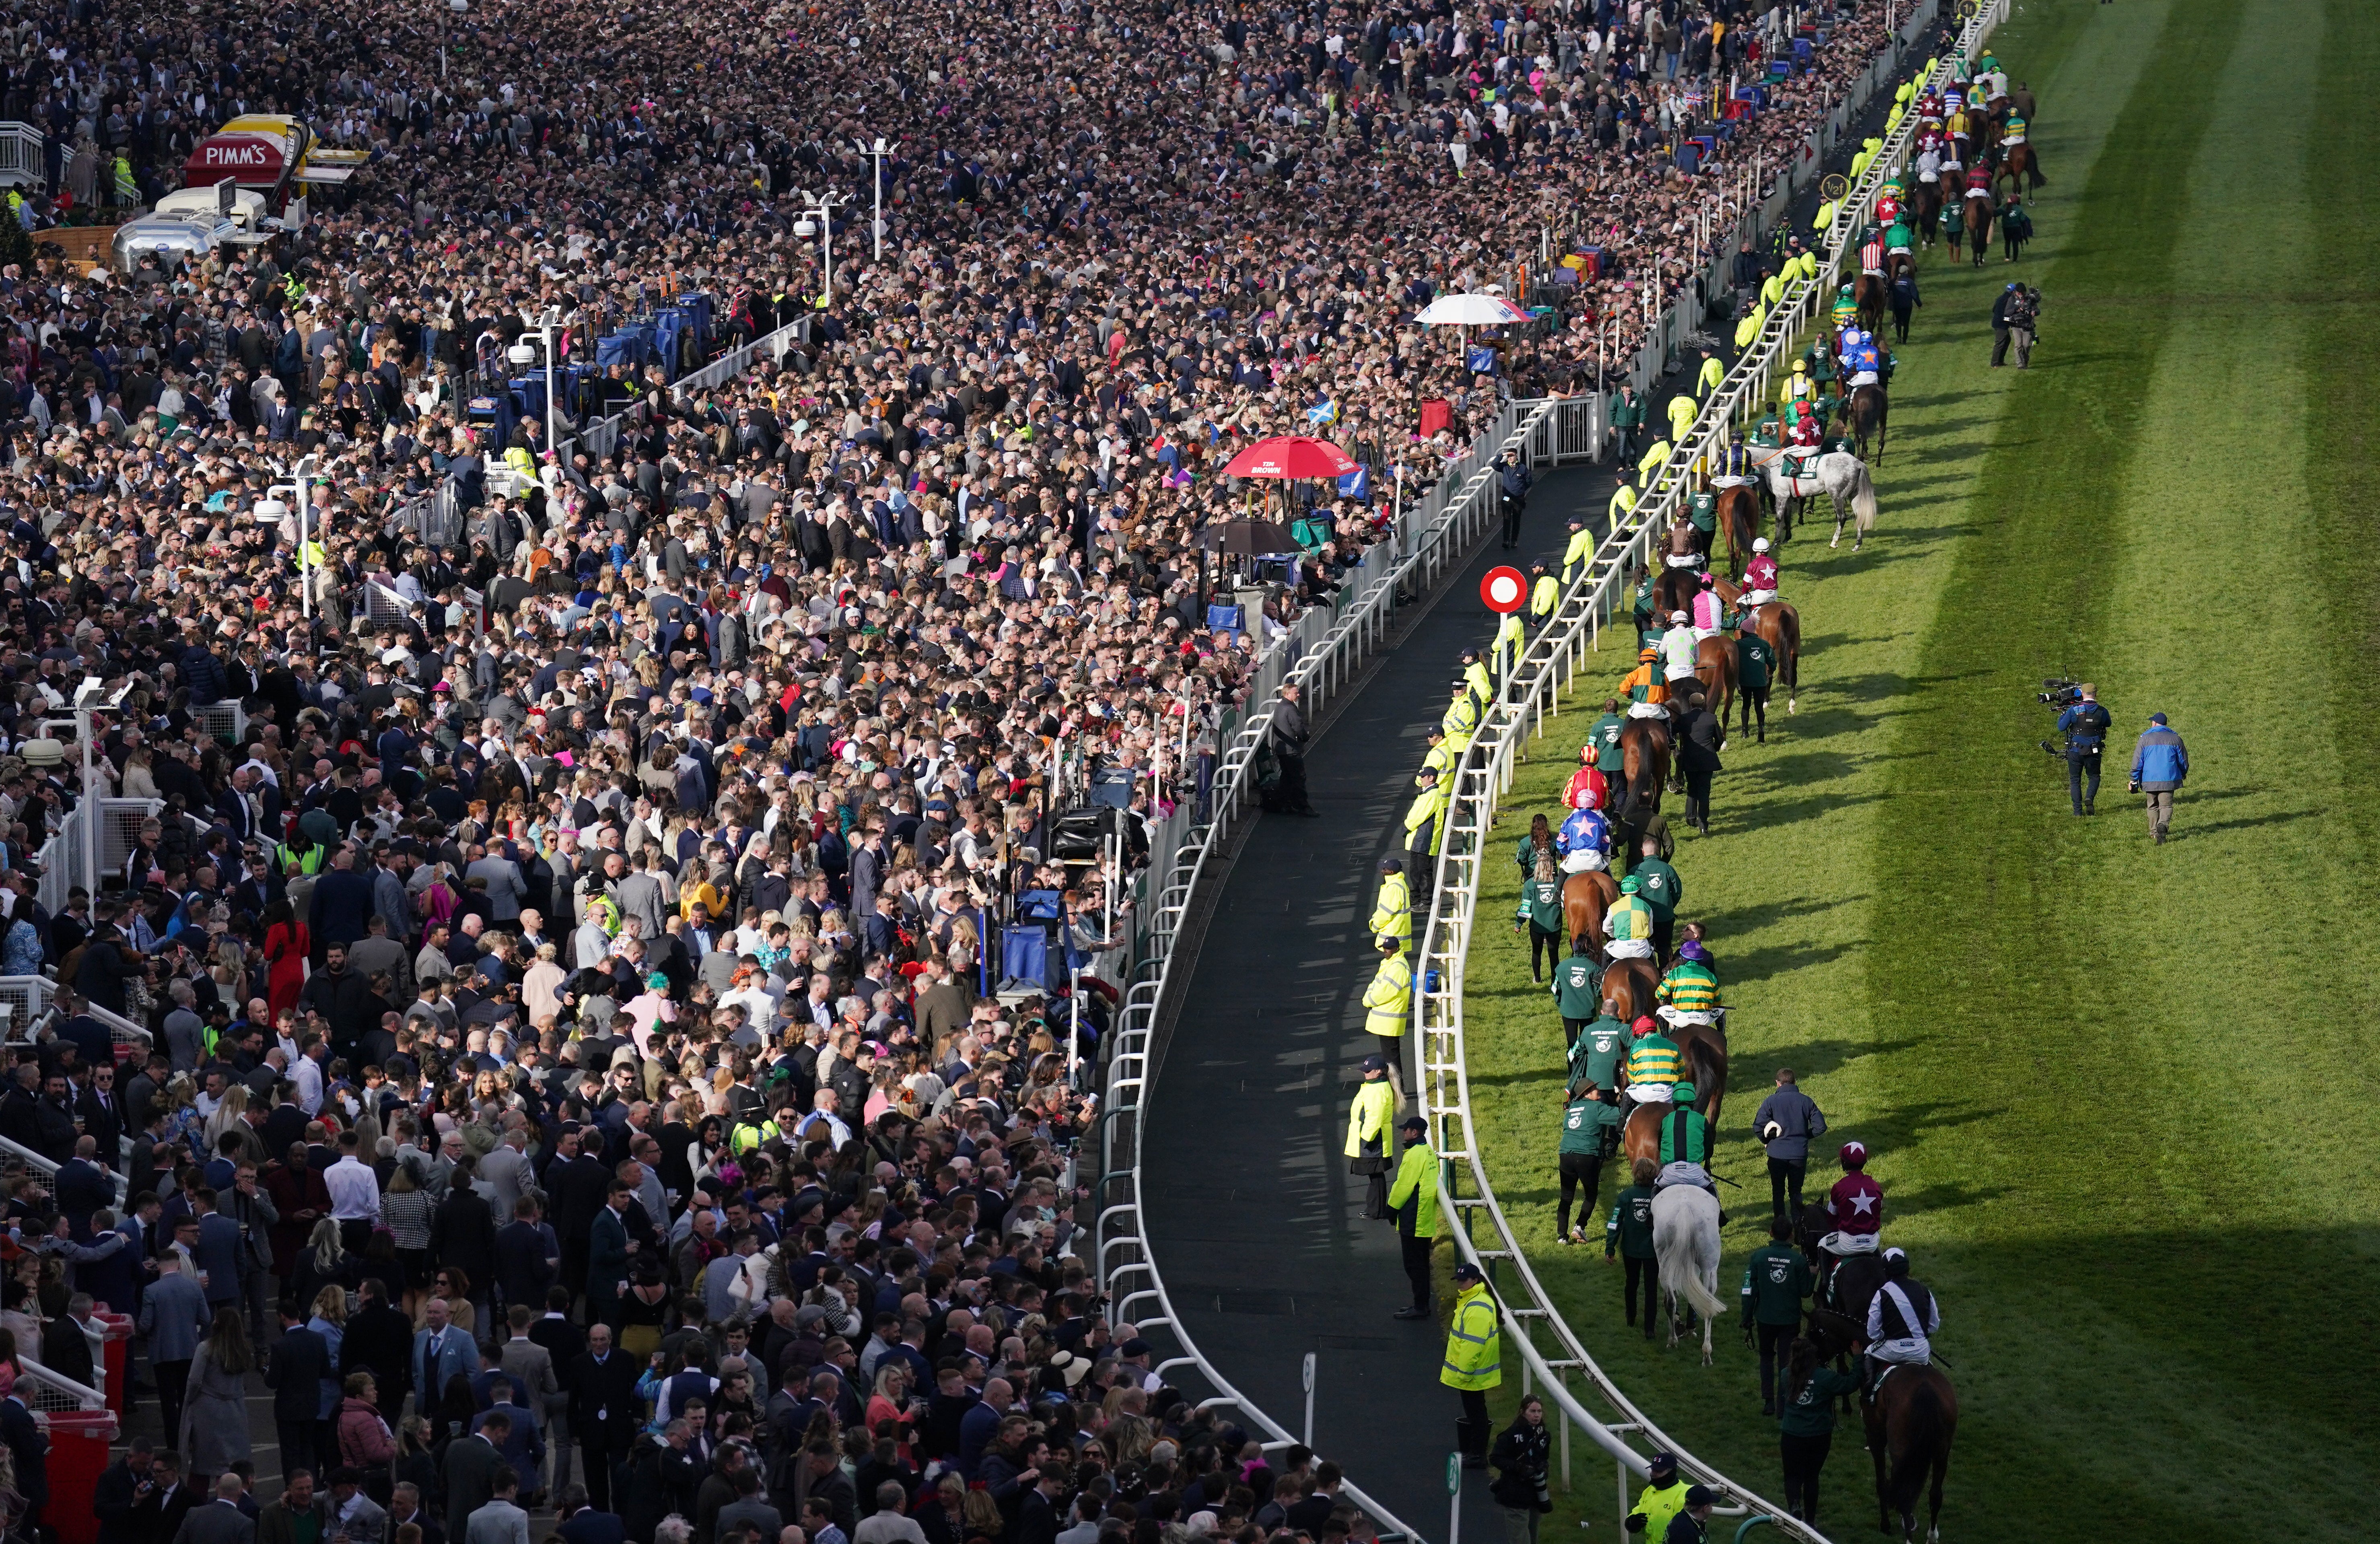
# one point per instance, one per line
(604, 919)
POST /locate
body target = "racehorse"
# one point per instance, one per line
(1675, 591)
(1925, 208)
(1585, 897)
(1912, 1423)
(1842, 477)
(1644, 766)
(1868, 295)
(1904, 302)
(1738, 515)
(1715, 667)
(1685, 1241)
(1629, 985)
(1780, 626)
(1865, 410)
(2019, 163)
(1979, 224)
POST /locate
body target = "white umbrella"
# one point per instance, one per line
(1471, 310)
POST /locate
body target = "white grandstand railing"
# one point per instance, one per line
(1520, 711)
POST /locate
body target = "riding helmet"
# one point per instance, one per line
(1853, 1154)
(1681, 1093)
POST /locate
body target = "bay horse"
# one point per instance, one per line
(1925, 208)
(1867, 294)
(1865, 410)
(1704, 1050)
(1675, 591)
(1585, 897)
(1717, 667)
(1912, 1423)
(1978, 218)
(1738, 515)
(1645, 768)
(1780, 626)
(1629, 986)
(2019, 163)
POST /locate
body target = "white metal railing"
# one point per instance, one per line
(21, 154)
(53, 1393)
(1528, 697)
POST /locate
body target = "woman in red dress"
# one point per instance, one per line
(287, 943)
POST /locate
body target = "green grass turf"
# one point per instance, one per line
(2060, 1041)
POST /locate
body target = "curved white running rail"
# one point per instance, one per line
(1520, 711)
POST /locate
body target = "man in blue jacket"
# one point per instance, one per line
(2159, 763)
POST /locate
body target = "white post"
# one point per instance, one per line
(552, 414)
(305, 582)
(826, 233)
(877, 228)
(1310, 1399)
(1075, 1027)
(90, 811)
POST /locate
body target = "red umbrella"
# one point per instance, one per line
(1291, 457)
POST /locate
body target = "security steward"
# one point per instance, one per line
(1368, 1114)
(1425, 824)
(1387, 1002)
(1414, 1197)
(1664, 1497)
(1476, 681)
(1437, 759)
(1474, 1351)
(1461, 719)
(1775, 1280)
(2085, 727)
(1545, 598)
(1392, 907)
(1580, 552)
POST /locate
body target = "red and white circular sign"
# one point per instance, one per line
(1504, 589)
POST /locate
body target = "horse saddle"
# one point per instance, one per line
(1800, 462)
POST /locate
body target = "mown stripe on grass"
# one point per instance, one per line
(2077, 1000)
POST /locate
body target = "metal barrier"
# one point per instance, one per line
(21, 158)
(728, 366)
(1528, 697)
(50, 1392)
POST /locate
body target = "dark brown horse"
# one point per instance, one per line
(1868, 295)
(1705, 1049)
(1715, 667)
(1925, 209)
(1738, 515)
(1979, 223)
(1585, 897)
(1645, 768)
(1675, 591)
(1912, 1423)
(1865, 411)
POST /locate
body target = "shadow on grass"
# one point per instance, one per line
(1811, 1059)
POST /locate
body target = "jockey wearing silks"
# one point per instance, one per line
(1872, 255)
(1759, 576)
(1807, 433)
(1732, 467)
(1860, 360)
(1584, 842)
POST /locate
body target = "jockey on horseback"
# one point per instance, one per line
(1855, 1204)
(1586, 789)
(1759, 576)
(1871, 254)
(1628, 935)
(1887, 201)
(1929, 109)
(1689, 993)
(2012, 133)
(1902, 1319)
(1806, 432)
(1584, 842)
(1709, 610)
(1863, 362)
(1732, 468)
(1655, 1064)
(1642, 685)
(1685, 1144)
(1846, 309)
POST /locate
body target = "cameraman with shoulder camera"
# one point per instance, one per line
(2085, 727)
